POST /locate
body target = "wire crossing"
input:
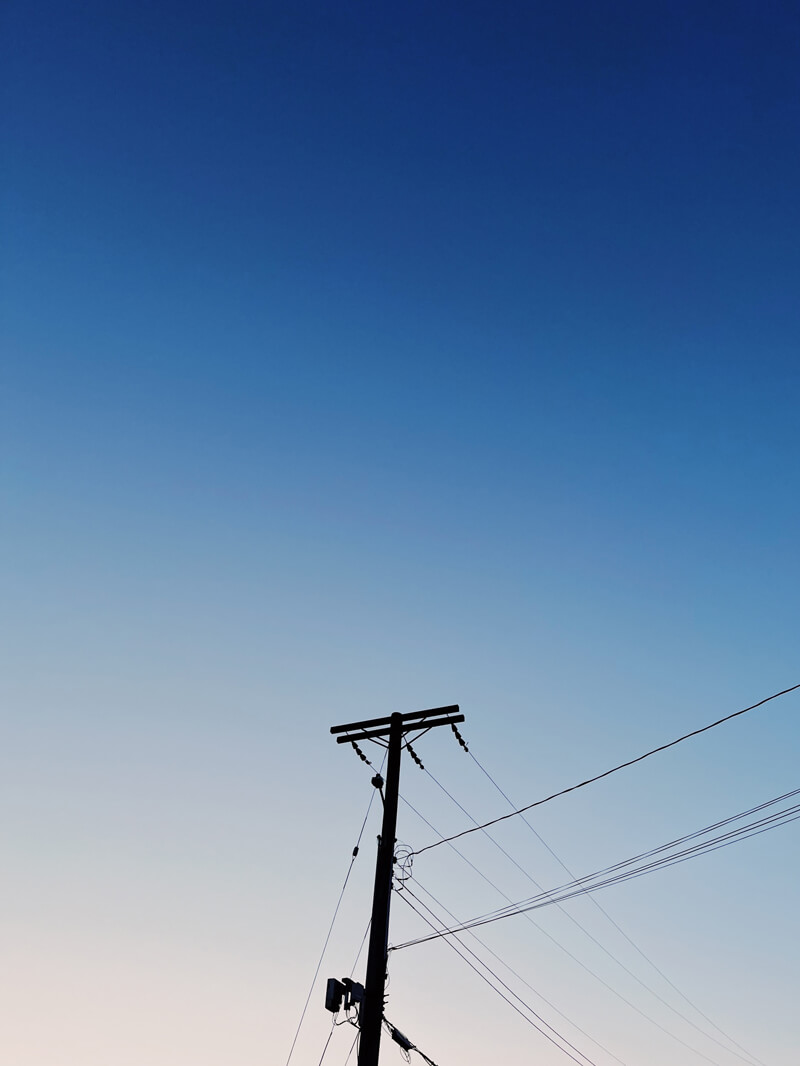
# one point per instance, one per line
(607, 773)
(506, 966)
(328, 935)
(443, 932)
(751, 1060)
(655, 859)
(540, 1025)
(742, 1052)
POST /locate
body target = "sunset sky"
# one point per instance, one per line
(362, 358)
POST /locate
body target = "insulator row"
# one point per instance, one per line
(458, 736)
(414, 756)
(360, 753)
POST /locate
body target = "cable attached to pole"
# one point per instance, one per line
(607, 773)
(328, 935)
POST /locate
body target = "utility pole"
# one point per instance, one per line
(394, 728)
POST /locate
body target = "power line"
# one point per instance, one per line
(352, 1046)
(625, 870)
(518, 976)
(607, 773)
(751, 1061)
(330, 1034)
(532, 921)
(361, 947)
(547, 934)
(745, 1055)
(553, 1039)
(528, 917)
(547, 899)
(334, 1025)
(328, 935)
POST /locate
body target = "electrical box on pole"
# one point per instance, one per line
(392, 732)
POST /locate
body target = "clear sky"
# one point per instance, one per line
(362, 358)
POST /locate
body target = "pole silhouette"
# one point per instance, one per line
(394, 728)
(375, 983)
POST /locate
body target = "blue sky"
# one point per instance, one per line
(361, 359)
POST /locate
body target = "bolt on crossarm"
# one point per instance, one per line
(394, 728)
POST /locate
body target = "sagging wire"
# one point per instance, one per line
(333, 919)
(509, 968)
(450, 942)
(525, 914)
(352, 1047)
(659, 857)
(612, 770)
(745, 1057)
(742, 1053)
(345, 1021)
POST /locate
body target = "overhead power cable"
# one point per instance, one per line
(750, 1060)
(607, 773)
(529, 917)
(526, 914)
(540, 1028)
(474, 936)
(330, 1034)
(361, 947)
(742, 1052)
(328, 935)
(659, 858)
(325, 1049)
(352, 1047)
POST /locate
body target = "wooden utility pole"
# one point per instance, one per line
(395, 729)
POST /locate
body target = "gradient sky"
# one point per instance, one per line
(364, 358)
